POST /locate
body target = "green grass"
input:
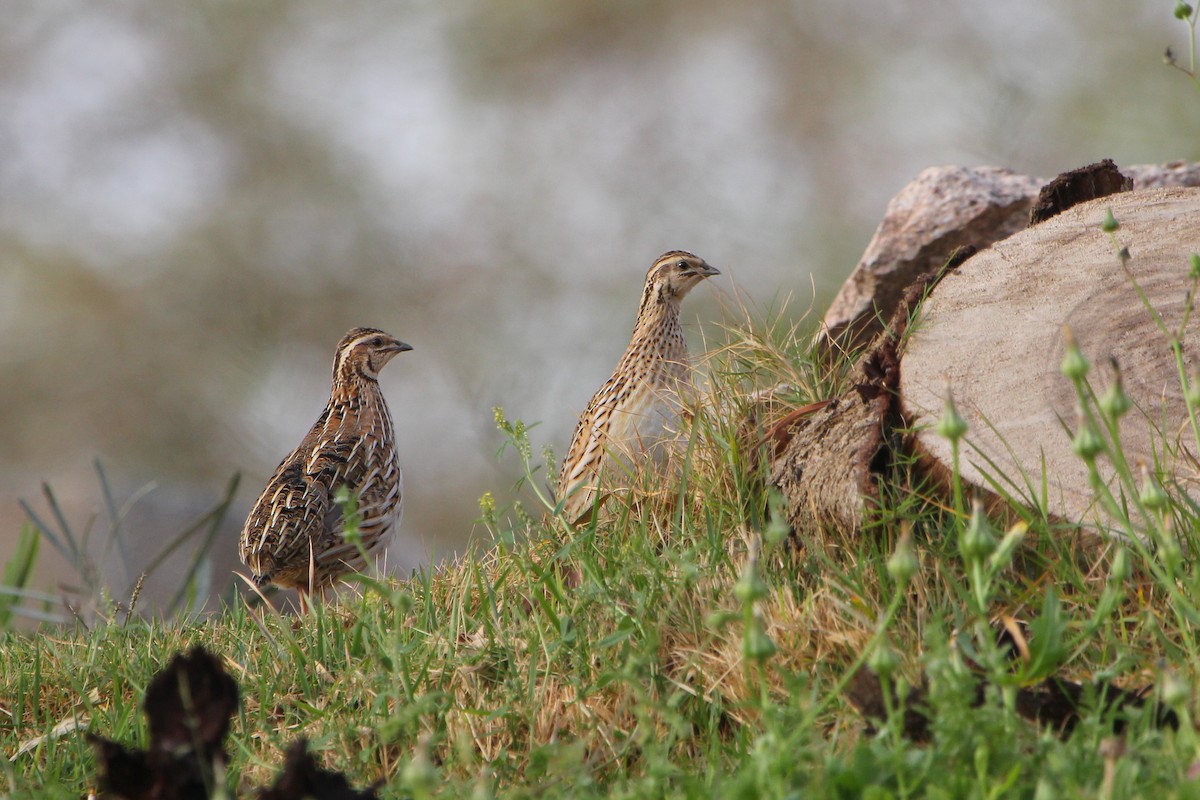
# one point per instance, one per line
(681, 646)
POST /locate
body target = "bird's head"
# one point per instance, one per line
(674, 274)
(365, 351)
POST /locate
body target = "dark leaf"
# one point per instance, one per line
(302, 779)
(123, 773)
(189, 705)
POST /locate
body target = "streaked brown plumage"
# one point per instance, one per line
(639, 405)
(293, 537)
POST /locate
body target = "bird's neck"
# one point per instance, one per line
(657, 332)
(658, 313)
(357, 400)
(350, 383)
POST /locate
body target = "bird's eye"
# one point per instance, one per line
(682, 264)
(377, 342)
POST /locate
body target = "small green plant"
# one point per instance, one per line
(1187, 14)
(96, 592)
(15, 581)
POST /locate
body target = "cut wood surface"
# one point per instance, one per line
(992, 333)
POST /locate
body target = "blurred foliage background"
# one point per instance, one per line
(198, 198)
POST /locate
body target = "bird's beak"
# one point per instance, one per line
(707, 270)
(399, 347)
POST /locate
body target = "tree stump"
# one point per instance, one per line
(991, 333)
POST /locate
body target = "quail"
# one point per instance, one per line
(639, 406)
(295, 535)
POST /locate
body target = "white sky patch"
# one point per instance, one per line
(98, 168)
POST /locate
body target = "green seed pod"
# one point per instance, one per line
(978, 540)
(1074, 366)
(757, 646)
(1087, 443)
(1193, 390)
(883, 660)
(1120, 571)
(1152, 495)
(749, 586)
(903, 563)
(1169, 551)
(1114, 402)
(951, 425)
